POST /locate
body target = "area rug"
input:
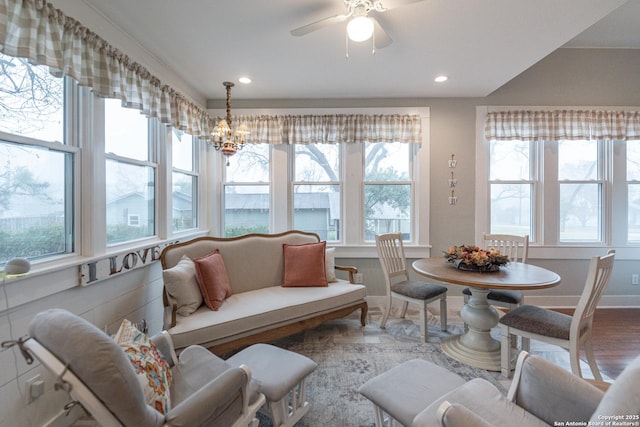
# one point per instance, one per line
(344, 365)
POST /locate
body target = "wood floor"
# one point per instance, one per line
(616, 338)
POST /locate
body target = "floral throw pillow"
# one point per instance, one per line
(152, 370)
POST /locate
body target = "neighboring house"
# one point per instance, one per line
(314, 212)
(132, 209)
(182, 209)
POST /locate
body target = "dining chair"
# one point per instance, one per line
(517, 249)
(570, 332)
(400, 287)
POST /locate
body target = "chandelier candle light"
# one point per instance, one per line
(224, 138)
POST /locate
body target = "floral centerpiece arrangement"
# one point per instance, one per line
(470, 257)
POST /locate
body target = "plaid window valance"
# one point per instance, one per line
(562, 124)
(34, 29)
(333, 128)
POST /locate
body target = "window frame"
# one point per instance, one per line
(411, 182)
(224, 184)
(153, 144)
(352, 242)
(69, 146)
(603, 178)
(194, 173)
(339, 183)
(71, 187)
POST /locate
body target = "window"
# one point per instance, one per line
(51, 131)
(511, 187)
(247, 191)
(388, 195)
(569, 208)
(316, 190)
(345, 192)
(580, 188)
(572, 196)
(130, 176)
(185, 181)
(36, 168)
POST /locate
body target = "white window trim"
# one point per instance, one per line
(351, 245)
(165, 198)
(613, 194)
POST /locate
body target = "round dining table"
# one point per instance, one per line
(476, 346)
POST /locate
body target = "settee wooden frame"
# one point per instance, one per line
(277, 332)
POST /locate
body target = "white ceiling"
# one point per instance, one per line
(479, 44)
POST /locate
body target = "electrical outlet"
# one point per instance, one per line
(357, 278)
(635, 279)
(35, 388)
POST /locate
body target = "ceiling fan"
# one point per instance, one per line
(362, 22)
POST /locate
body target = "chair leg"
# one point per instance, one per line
(379, 416)
(514, 338)
(574, 356)
(588, 349)
(385, 316)
(424, 315)
(505, 351)
(403, 313)
(443, 313)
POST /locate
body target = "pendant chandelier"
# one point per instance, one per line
(224, 138)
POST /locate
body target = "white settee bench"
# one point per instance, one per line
(259, 309)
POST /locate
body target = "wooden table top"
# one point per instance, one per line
(514, 275)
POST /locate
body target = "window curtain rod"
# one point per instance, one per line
(35, 30)
(562, 124)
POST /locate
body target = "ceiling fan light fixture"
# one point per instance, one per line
(360, 28)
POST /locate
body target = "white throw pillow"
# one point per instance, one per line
(180, 282)
(330, 264)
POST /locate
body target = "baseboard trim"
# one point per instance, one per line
(571, 301)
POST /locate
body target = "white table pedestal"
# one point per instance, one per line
(476, 347)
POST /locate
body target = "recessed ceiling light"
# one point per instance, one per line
(245, 80)
(441, 78)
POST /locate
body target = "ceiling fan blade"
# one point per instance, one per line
(382, 39)
(306, 29)
(392, 4)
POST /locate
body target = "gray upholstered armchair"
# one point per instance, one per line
(541, 394)
(97, 373)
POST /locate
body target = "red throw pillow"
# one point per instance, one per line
(213, 280)
(304, 265)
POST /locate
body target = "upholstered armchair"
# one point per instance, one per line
(204, 391)
(541, 394)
